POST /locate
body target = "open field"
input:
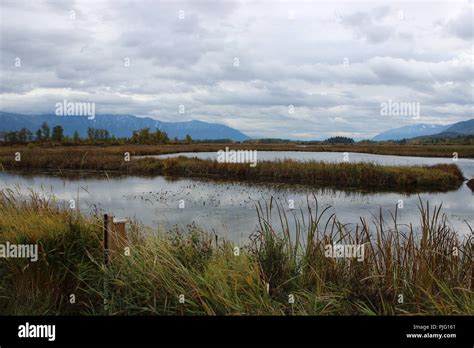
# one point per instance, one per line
(424, 269)
(341, 175)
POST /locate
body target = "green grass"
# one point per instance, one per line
(214, 281)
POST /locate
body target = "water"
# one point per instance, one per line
(228, 209)
(466, 165)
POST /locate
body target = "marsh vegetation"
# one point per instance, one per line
(432, 270)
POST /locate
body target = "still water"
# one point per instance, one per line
(228, 209)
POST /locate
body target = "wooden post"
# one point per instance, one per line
(119, 238)
(115, 238)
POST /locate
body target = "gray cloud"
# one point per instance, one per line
(184, 52)
(462, 25)
(370, 25)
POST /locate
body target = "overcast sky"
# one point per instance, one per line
(243, 63)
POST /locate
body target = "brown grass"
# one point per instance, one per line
(341, 175)
(463, 151)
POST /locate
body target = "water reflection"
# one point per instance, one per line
(226, 208)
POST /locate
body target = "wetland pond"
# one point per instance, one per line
(228, 208)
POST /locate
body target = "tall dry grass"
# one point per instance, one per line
(416, 261)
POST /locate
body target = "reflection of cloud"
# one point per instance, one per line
(189, 62)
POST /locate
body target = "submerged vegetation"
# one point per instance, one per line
(421, 269)
(321, 174)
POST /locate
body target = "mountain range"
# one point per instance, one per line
(124, 125)
(119, 125)
(428, 130)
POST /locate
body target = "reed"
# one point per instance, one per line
(416, 261)
(66, 241)
(318, 174)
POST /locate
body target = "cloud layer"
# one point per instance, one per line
(304, 70)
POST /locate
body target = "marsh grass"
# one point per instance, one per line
(428, 264)
(417, 262)
(66, 241)
(441, 150)
(439, 177)
(369, 176)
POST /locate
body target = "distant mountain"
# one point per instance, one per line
(411, 131)
(463, 127)
(119, 125)
(459, 129)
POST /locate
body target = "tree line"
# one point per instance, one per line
(56, 135)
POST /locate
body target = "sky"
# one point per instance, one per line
(287, 69)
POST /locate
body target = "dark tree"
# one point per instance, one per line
(11, 137)
(76, 137)
(23, 135)
(58, 134)
(339, 140)
(38, 135)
